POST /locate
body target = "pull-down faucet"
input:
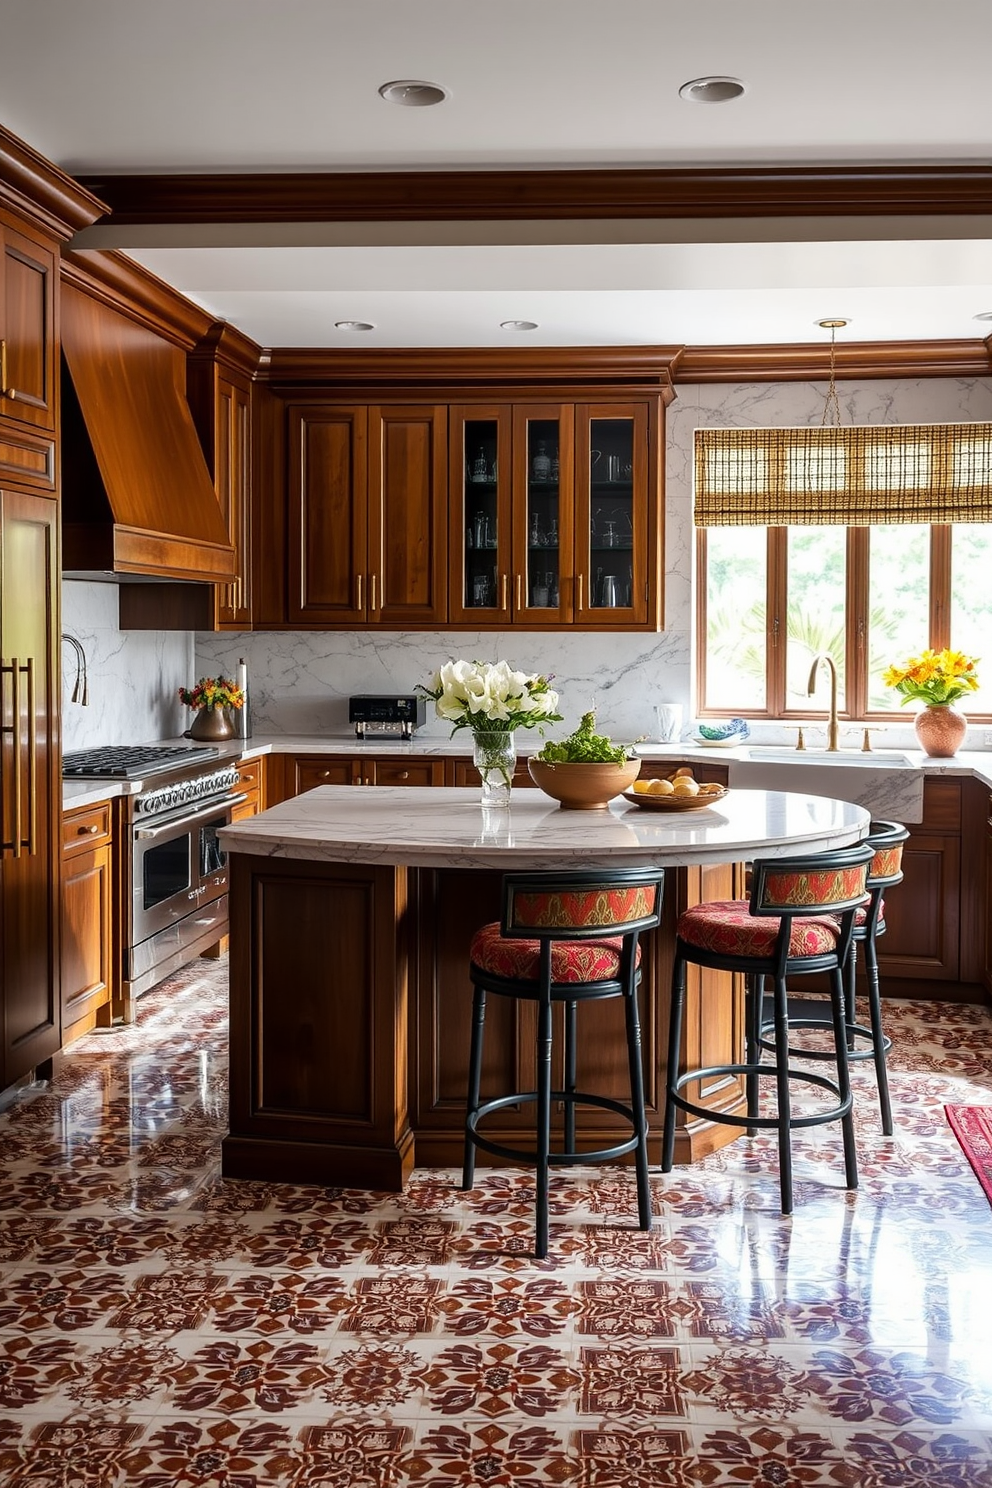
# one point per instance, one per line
(833, 728)
(81, 687)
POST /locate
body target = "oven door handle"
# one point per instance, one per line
(148, 834)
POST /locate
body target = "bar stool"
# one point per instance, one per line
(564, 938)
(885, 870)
(799, 919)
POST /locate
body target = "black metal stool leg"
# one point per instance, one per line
(544, 1034)
(877, 1036)
(844, 1077)
(570, 1045)
(754, 1000)
(783, 1093)
(850, 994)
(633, 1021)
(474, 1082)
(672, 1068)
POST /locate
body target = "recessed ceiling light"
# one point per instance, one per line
(712, 90)
(354, 325)
(984, 315)
(518, 325)
(410, 93)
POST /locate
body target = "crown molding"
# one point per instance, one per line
(811, 362)
(620, 366)
(37, 189)
(121, 284)
(517, 195)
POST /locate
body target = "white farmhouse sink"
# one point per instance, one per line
(859, 759)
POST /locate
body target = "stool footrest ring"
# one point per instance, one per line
(556, 1159)
(826, 1026)
(726, 1118)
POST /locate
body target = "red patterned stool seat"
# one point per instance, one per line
(571, 961)
(727, 928)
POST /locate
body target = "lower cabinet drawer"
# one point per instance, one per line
(86, 828)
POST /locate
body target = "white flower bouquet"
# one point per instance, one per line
(490, 697)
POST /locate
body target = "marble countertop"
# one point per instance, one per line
(883, 789)
(447, 827)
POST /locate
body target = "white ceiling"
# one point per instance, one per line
(103, 86)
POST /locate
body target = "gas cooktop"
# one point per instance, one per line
(132, 761)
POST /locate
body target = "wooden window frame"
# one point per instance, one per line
(857, 610)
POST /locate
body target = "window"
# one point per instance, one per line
(769, 599)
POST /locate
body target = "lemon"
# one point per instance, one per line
(640, 787)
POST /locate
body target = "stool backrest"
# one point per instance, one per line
(887, 839)
(581, 905)
(827, 883)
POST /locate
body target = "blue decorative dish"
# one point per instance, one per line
(736, 728)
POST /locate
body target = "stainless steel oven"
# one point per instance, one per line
(174, 868)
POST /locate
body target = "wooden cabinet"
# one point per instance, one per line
(923, 913)
(251, 784)
(28, 356)
(367, 516)
(30, 784)
(986, 910)
(305, 772)
(88, 957)
(555, 515)
(461, 771)
(219, 373)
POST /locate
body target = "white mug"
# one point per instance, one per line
(669, 717)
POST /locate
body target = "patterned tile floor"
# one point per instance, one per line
(160, 1326)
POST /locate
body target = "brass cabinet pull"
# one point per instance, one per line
(14, 844)
(578, 586)
(5, 391)
(358, 591)
(373, 597)
(404, 775)
(505, 586)
(87, 831)
(518, 592)
(32, 762)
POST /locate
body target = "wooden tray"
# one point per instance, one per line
(676, 803)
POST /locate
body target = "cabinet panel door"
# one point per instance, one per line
(611, 514)
(922, 914)
(408, 515)
(328, 515)
(232, 482)
(87, 939)
(30, 861)
(543, 511)
(27, 328)
(479, 537)
(313, 772)
(407, 772)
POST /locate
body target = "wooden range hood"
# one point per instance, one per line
(137, 496)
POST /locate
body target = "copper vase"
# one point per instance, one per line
(940, 730)
(211, 724)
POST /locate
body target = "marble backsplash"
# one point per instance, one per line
(301, 680)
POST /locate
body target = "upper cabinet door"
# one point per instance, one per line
(542, 514)
(408, 516)
(479, 534)
(27, 330)
(616, 520)
(328, 516)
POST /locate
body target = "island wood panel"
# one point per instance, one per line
(319, 1025)
(449, 905)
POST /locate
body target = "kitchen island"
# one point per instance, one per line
(351, 917)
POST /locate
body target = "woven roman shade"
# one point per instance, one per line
(855, 476)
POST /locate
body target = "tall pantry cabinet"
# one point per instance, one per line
(39, 208)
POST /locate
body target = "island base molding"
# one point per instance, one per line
(350, 1020)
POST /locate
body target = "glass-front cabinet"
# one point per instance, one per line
(612, 527)
(551, 515)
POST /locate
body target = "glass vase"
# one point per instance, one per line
(495, 756)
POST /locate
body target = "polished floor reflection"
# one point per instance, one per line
(160, 1326)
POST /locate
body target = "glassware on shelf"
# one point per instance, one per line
(480, 525)
(554, 464)
(541, 464)
(536, 539)
(480, 470)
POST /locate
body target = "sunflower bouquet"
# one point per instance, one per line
(934, 677)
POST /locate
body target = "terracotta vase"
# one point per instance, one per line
(211, 725)
(940, 730)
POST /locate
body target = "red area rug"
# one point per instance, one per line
(972, 1125)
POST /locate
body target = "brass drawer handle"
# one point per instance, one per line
(87, 831)
(5, 391)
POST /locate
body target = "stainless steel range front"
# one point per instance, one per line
(175, 868)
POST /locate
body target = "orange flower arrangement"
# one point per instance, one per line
(934, 677)
(213, 692)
